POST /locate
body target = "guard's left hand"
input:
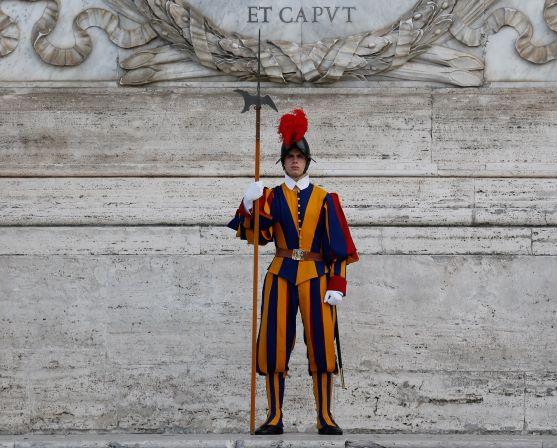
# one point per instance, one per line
(333, 297)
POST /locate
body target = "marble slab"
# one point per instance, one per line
(197, 240)
(188, 132)
(156, 342)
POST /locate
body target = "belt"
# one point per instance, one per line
(299, 254)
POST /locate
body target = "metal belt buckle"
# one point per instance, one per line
(297, 254)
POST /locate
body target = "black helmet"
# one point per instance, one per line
(292, 128)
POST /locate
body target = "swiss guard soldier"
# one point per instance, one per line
(313, 248)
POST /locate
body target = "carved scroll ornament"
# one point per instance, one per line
(538, 54)
(75, 55)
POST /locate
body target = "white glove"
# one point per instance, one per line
(253, 192)
(333, 297)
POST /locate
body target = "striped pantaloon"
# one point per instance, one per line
(277, 336)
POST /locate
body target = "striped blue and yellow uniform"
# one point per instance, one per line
(310, 219)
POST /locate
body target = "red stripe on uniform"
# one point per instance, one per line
(350, 247)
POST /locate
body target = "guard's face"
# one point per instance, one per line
(295, 163)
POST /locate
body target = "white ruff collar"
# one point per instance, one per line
(301, 184)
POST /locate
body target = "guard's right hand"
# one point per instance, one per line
(253, 192)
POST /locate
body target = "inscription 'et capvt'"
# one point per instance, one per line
(314, 14)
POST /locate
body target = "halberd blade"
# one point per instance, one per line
(249, 99)
(269, 102)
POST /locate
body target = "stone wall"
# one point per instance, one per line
(125, 302)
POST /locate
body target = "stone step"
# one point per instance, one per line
(293, 440)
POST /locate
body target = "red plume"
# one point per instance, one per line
(293, 126)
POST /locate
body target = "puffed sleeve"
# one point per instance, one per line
(243, 220)
(338, 248)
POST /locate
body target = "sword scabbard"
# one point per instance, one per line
(339, 353)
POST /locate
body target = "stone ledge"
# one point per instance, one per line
(286, 441)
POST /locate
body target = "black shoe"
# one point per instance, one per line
(269, 430)
(329, 430)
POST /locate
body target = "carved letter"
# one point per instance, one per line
(252, 14)
(282, 17)
(301, 14)
(268, 8)
(328, 8)
(317, 14)
(348, 8)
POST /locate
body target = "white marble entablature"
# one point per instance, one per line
(502, 63)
